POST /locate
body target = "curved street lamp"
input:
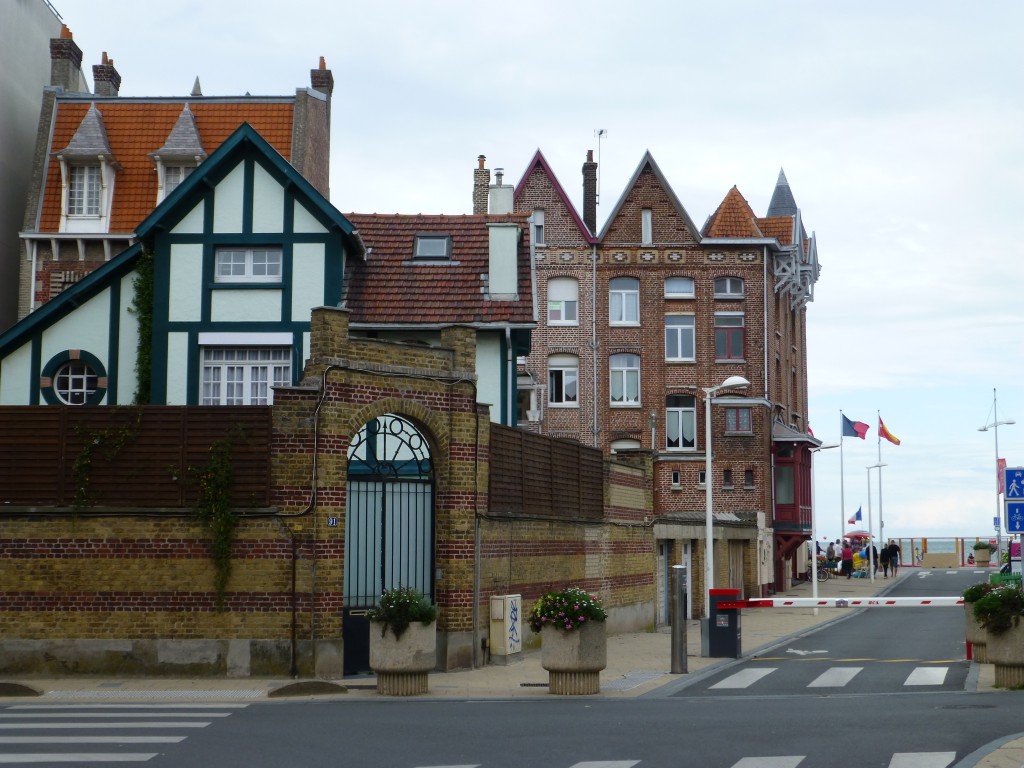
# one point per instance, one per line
(733, 382)
(994, 426)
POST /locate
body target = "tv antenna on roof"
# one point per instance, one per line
(600, 133)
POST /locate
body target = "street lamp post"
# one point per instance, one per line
(871, 544)
(733, 382)
(994, 426)
(814, 527)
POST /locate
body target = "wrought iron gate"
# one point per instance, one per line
(389, 525)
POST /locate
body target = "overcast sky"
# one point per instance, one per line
(899, 126)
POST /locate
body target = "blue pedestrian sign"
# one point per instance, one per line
(1013, 483)
(1015, 517)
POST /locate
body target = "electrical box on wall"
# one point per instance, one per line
(506, 625)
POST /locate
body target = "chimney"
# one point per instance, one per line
(106, 80)
(481, 181)
(322, 79)
(65, 62)
(500, 200)
(590, 192)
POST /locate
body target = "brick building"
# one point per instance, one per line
(639, 319)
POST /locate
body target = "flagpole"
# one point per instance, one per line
(842, 489)
(881, 524)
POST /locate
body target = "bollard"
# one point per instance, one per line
(679, 620)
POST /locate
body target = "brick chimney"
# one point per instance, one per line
(322, 79)
(65, 61)
(590, 192)
(481, 182)
(106, 80)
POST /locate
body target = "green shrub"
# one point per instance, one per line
(976, 591)
(566, 609)
(1000, 609)
(400, 607)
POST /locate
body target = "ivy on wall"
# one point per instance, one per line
(213, 507)
(107, 443)
(142, 308)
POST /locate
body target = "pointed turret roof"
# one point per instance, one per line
(783, 203)
(183, 140)
(90, 139)
(733, 218)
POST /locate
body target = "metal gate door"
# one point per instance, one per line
(389, 525)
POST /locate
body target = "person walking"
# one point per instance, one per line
(874, 558)
(847, 559)
(894, 557)
(883, 557)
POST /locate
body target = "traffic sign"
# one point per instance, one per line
(995, 523)
(1013, 483)
(1015, 516)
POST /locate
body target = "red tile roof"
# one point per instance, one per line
(138, 127)
(733, 218)
(779, 227)
(390, 288)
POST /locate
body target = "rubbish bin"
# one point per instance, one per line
(723, 634)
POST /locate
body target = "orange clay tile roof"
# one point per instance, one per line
(779, 227)
(733, 218)
(136, 128)
(390, 288)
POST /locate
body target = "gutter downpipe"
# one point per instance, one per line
(764, 330)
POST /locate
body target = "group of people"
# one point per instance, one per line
(842, 551)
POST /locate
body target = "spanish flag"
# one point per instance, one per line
(883, 432)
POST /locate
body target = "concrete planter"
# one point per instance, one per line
(574, 660)
(977, 636)
(402, 664)
(1005, 650)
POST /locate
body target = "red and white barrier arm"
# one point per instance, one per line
(844, 602)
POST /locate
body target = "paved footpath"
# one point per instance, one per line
(638, 664)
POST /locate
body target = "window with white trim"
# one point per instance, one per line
(84, 190)
(728, 287)
(729, 332)
(538, 227)
(681, 423)
(174, 175)
(624, 301)
(737, 419)
(563, 380)
(248, 265)
(680, 343)
(75, 382)
(679, 288)
(624, 384)
(646, 226)
(244, 376)
(563, 301)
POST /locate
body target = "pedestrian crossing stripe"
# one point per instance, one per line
(835, 677)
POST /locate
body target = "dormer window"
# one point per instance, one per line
(84, 190)
(174, 175)
(433, 247)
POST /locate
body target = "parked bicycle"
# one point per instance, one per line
(824, 572)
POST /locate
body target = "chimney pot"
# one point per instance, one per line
(65, 33)
(590, 155)
(480, 162)
(481, 182)
(323, 63)
(499, 173)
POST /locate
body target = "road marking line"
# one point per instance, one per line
(927, 676)
(35, 715)
(91, 739)
(836, 677)
(744, 678)
(921, 759)
(98, 757)
(786, 761)
(26, 726)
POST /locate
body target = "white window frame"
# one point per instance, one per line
(537, 228)
(623, 302)
(729, 287)
(646, 226)
(675, 294)
(257, 265)
(85, 190)
(679, 414)
(563, 301)
(724, 324)
(563, 381)
(624, 376)
(75, 382)
(680, 329)
(174, 175)
(243, 375)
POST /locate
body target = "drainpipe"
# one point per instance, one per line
(511, 386)
(593, 336)
(764, 330)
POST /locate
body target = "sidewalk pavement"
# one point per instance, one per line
(639, 664)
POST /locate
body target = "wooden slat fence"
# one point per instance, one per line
(139, 456)
(538, 475)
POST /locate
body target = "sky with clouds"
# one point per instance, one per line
(898, 126)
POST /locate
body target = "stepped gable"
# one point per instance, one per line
(393, 288)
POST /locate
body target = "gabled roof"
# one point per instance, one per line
(648, 161)
(244, 139)
(733, 218)
(90, 139)
(539, 161)
(391, 289)
(137, 127)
